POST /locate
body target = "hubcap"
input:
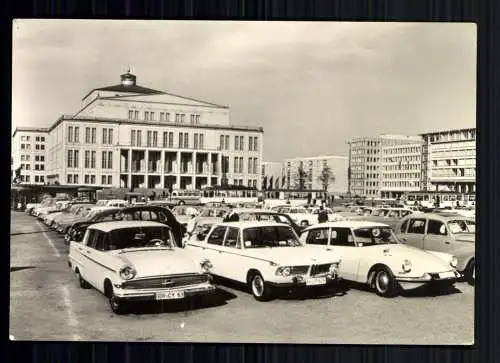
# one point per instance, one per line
(257, 286)
(382, 281)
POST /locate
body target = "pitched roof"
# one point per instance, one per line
(123, 88)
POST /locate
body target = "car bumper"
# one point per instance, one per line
(303, 283)
(409, 283)
(150, 294)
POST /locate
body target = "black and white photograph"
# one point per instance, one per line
(243, 182)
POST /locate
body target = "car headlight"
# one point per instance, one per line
(454, 262)
(127, 273)
(206, 266)
(283, 271)
(406, 266)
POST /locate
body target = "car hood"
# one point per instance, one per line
(158, 261)
(291, 256)
(420, 259)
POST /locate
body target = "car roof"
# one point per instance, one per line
(250, 224)
(110, 226)
(441, 216)
(348, 224)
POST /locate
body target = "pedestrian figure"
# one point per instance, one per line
(232, 216)
(322, 215)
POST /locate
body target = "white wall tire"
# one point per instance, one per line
(258, 287)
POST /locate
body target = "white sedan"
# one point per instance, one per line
(265, 256)
(137, 260)
(371, 254)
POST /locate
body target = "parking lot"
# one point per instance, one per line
(46, 303)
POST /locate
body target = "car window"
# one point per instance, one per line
(318, 236)
(270, 236)
(435, 227)
(144, 215)
(416, 226)
(281, 219)
(393, 214)
(217, 236)
(232, 238)
(342, 237)
(404, 226)
(91, 238)
(99, 240)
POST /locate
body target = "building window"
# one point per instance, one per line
(92, 160)
(92, 179)
(110, 136)
(70, 133)
(195, 142)
(110, 180)
(155, 138)
(42, 147)
(183, 118)
(241, 142)
(226, 146)
(42, 178)
(132, 137)
(236, 168)
(42, 167)
(136, 115)
(94, 135)
(70, 158)
(255, 144)
(221, 142)
(42, 158)
(170, 139)
(146, 115)
(152, 116)
(197, 119)
(192, 119)
(86, 179)
(104, 160)
(103, 179)
(87, 160)
(104, 136)
(201, 141)
(87, 135)
(181, 137)
(75, 178)
(148, 138)
(70, 179)
(77, 135)
(177, 118)
(255, 165)
(241, 165)
(139, 138)
(110, 160)
(186, 140)
(37, 147)
(250, 165)
(22, 146)
(236, 143)
(255, 183)
(130, 114)
(22, 157)
(250, 143)
(75, 158)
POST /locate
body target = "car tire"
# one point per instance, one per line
(384, 283)
(117, 305)
(258, 287)
(81, 281)
(470, 273)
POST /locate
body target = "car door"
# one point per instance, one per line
(342, 244)
(102, 265)
(437, 237)
(231, 262)
(415, 233)
(87, 270)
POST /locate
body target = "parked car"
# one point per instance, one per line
(390, 216)
(451, 233)
(266, 256)
(62, 223)
(207, 216)
(137, 260)
(262, 215)
(304, 218)
(371, 254)
(137, 213)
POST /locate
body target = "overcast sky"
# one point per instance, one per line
(311, 85)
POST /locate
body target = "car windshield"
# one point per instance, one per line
(139, 237)
(462, 226)
(270, 236)
(213, 213)
(375, 236)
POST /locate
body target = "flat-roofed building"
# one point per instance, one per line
(29, 152)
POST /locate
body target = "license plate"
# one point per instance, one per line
(446, 275)
(170, 295)
(316, 281)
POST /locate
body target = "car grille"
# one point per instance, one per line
(299, 270)
(166, 281)
(320, 269)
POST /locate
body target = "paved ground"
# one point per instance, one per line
(47, 304)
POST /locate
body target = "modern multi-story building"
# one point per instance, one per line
(400, 169)
(131, 136)
(273, 175)
(365, 154)
(29, 151)
(313, 167)
(449, 160)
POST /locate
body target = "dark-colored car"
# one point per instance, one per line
(267, 215)
(141, 213)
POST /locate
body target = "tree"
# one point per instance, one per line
(326, 178)
(300, 178)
